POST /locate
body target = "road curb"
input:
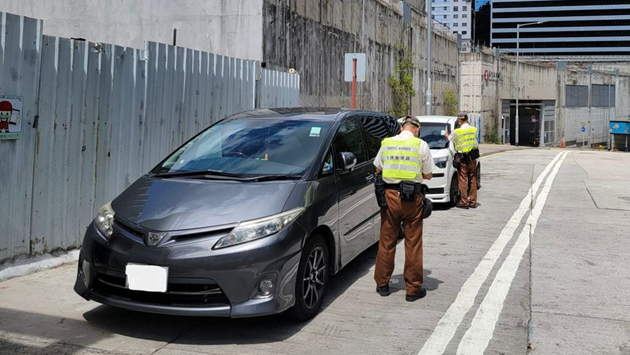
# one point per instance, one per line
(501, 151)
(30, 265)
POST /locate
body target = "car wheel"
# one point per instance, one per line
(478, 176)
(454, 191)
(312, 279)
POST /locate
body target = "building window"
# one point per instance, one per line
(455, 8)
(455, 24)
(577, 96)
(464, 32)
(464, 24)
(445, 8)
(456, 16)
(464, 15)
(599, 96)
(465, 8)
(433, 8)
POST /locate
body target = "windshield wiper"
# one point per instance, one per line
(277, 177)
(201, 173)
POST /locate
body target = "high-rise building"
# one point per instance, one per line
(457, 15)
(562, 27)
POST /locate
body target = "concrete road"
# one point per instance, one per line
(543, 268)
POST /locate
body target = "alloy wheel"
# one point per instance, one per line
(314, 277)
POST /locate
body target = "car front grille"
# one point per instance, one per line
(205, 293)
(435, 191)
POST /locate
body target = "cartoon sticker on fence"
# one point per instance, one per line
(10, 119)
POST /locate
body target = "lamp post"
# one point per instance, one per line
(518, 74)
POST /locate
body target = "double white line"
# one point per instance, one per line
(476, 339)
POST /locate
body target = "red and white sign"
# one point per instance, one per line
(486, 75)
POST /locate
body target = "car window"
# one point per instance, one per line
(327, 168)
(376, 129)
(251, 146)
(349, 139)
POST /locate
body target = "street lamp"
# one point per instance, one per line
(518, 68)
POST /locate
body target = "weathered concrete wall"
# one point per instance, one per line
(312, 36)
(226, 27)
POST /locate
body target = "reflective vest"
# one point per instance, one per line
(401, 159)
(466, 139)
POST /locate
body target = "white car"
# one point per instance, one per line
(443, 187)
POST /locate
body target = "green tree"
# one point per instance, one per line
(450, 103)
(401, 83)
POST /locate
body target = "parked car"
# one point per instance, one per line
(443, 187)
(248, 218)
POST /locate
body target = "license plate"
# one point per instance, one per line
(146, 278)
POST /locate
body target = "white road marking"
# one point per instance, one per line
(447, 326)
(478, 336)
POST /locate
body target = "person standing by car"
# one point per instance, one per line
(402, 162)
(467, 152)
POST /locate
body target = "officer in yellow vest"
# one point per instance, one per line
(467, 151)
(404, 161)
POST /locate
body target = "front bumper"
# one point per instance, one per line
(201, 281)
(438, 187)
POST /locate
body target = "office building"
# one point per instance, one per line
(567, 28)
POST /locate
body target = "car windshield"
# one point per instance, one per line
(251, 147)
(433, 134)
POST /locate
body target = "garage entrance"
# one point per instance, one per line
(530, 112)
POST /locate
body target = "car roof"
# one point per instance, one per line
(310, 113)
(436, 119)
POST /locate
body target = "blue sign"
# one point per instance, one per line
(583, 129)
(620, 127)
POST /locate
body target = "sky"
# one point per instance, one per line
(479, 3)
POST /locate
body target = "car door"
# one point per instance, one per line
(355, 191)
(375, 129)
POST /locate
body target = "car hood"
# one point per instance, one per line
(439, 153)
(179, 204)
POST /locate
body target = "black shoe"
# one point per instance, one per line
(465, 207)
(383, 291)
(417, 296)
(473, 206)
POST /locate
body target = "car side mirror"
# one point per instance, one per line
(348, 161)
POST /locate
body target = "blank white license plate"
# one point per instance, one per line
(147, 278)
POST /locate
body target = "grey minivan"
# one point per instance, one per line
(248, 218)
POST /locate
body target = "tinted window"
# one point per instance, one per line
(349, 139)
(251, 146)
(376, 129)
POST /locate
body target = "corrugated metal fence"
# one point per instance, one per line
(98, 116)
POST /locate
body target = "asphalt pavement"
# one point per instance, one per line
(541, 267)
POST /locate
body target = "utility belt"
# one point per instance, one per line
(408, 190)
(465, 158)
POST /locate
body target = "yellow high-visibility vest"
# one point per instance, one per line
(466, 139)
(401, 159)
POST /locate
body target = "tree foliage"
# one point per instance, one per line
(450, 103)
(401, 83)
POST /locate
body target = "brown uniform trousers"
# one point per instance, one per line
(408, 212)
(468, 172)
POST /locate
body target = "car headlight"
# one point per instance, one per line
(259, 228)
(440, 162)
(104, 221)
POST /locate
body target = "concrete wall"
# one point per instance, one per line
(312, 36)
(226, 27)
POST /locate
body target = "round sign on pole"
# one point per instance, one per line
(583, 129)
(486, 75)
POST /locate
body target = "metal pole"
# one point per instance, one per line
(607, 127)
(518, 76)
(429, 95)
(354, 83)
(590, 94)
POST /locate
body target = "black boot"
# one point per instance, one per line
(383, 291)
(417, 296)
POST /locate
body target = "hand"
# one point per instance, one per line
(446, 135)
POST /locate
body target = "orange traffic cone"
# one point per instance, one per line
(562, 143)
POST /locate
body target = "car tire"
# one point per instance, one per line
(453, 191)
(478, 176)
(310, 289)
